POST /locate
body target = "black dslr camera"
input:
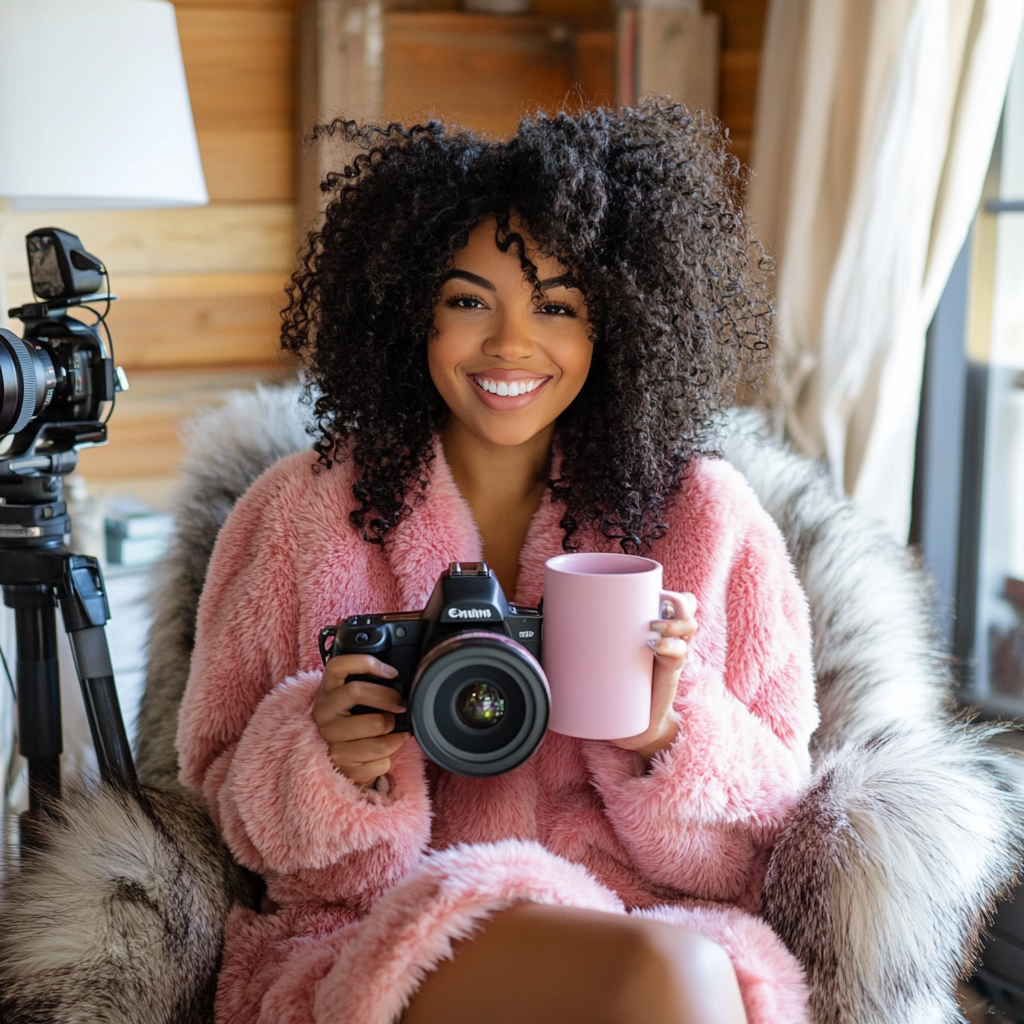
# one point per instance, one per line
(56, 380)
(468, 671)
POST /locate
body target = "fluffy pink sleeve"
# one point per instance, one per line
(702, 817)
(246, 735)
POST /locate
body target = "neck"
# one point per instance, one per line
(503, 486)
(490, 474)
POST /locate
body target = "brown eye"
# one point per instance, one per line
(557, 309)
(466, 302)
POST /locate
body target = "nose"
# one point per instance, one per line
(512, 337)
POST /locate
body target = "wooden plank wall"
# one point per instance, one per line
(486, 72)
(414, 44)
(202, 288)
(742, 39)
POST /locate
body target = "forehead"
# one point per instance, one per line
(482, 248)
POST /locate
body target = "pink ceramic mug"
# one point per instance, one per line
(598, 610)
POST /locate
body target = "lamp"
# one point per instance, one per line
(94, 107)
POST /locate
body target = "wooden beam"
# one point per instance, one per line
(240, 237)
(340, 57)
(674, 54)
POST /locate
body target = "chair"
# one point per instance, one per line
(910, 830)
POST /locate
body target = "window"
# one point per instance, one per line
(969, 485)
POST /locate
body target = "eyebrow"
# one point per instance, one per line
(465, 275)
(563, 281)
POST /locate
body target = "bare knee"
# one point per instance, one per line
(675, 976)
(561, 965)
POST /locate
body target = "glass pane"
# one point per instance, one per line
(1000, 636)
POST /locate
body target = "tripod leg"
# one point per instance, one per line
(92, 659)
(83, 602)
(38, 688)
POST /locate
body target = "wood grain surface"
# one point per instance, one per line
(240, 68)
(483, 71)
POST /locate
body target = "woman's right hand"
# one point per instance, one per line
(360, 746)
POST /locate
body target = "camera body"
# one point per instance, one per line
(468, 670)
(55, 381)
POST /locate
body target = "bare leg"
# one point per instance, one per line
(534, 964)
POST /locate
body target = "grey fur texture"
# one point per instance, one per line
(120, 916)
(228, 447)
(912, 825)
(879, 884)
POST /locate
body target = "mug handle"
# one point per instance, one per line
(671, 605)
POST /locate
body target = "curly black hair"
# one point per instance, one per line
(643, 205)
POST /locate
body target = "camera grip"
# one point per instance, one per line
(401, 719)
(331, 646)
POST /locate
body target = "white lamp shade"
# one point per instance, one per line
(94, 107)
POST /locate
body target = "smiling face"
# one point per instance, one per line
(506, 361)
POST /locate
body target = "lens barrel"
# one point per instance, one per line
(27, 377)
(479, 703)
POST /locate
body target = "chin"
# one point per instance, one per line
(507, 435)
(510, 438)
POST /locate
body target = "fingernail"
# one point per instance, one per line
(667, 645)
(659, 626)
(390, 671)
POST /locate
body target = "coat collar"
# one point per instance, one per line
(441, 529)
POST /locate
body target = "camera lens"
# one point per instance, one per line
(480, 705)
(27, 379)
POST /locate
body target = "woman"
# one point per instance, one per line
(519, 348)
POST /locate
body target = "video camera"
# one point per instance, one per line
(54, 385)
(55, 381)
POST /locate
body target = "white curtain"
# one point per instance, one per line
(875, 124)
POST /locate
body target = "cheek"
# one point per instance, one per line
(576, 364)
(442, 355)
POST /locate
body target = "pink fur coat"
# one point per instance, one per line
(367, 889)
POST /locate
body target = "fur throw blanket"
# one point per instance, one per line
(909, 831)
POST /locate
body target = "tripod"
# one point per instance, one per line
(37, 572)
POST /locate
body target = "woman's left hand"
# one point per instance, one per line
(670, 651)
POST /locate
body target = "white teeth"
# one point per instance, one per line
(512, 389)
